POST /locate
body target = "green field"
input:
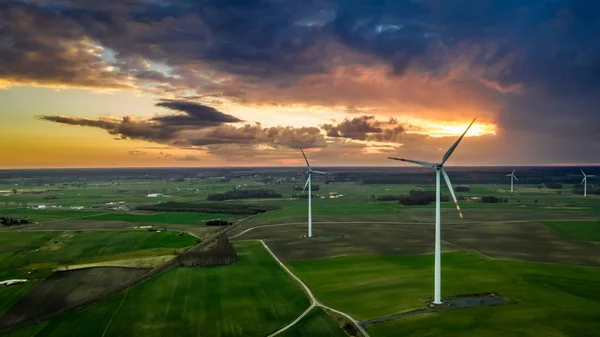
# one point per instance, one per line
(584, 231)
(557, 300)
(315, 323)
(175, 218)
(43, 251)
(252, 297)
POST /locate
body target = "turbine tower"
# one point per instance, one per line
(309, 172)
(439, 170)
(584, 181)
(512, 176)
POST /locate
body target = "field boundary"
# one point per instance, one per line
(313, 300)
(117, 289)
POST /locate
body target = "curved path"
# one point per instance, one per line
(314, 302)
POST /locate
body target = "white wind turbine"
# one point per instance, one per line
(439, 169)
(309, 172)
(512, 176)
(584, 181)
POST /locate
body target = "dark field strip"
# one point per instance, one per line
(64, 289)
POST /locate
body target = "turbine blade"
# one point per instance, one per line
(509, 175)
(513, 172)
(582, 172)
(581, 183)
(517, 179)
(320, 172)
(306, 184)
(590, 175)
(453, 147)
(452, 192)
(422, 163)
(307, 164)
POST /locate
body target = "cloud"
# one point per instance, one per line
(366, 128)
(39, 46)
(188, 158)
(137, 152)
(195, 114)
(177, 134)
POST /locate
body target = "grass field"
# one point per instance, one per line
(176, 218)
(554, 299)
(252, 297)
(47, 250)
(584, 231)
(180, 218)
(315, 323)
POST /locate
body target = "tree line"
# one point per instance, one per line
(220, 253)
(305, 196)
(244, 194)
(8, 221)
(218, 222)
(312, 188)
(206, 207)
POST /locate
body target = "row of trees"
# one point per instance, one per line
(221, 253)
(488, 199)
(207, 207)
(218, 222)
(312, 188)
(8, 221)
(415, 197)
(305, 196)
(244, 194)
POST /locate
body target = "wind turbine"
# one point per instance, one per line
(512, 176)
(584, 181)
(439, 169)
(309, 172)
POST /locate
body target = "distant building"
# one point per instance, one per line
(155, 195)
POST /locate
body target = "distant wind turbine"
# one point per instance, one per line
(439, 169)
(309, 172)
(584, 182)
(512, 176)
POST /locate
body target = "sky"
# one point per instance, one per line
(158, 83)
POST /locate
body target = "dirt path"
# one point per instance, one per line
(314, 302)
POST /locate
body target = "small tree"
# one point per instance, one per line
(14, 191)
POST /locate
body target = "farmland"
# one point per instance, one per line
(65, 288)
(316, 323)
(35, 254)
(364, 285)
(539, 247)
(219, 301)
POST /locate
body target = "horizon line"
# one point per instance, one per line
(282, 166)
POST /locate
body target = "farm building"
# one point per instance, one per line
(155, 195)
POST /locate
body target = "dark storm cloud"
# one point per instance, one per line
(39, 46)
(195, 114)
(549, 44)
